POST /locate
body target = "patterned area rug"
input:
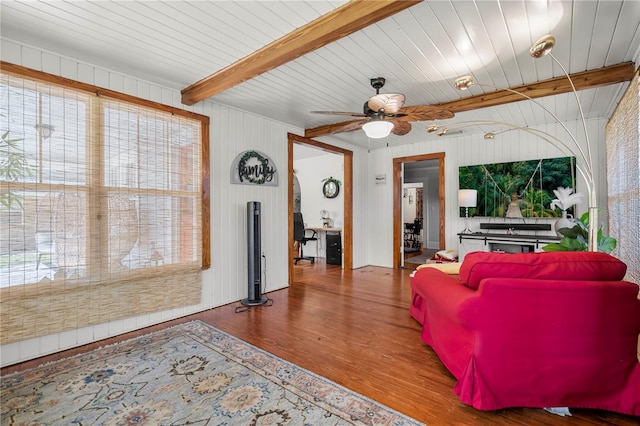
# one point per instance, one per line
(187, 374)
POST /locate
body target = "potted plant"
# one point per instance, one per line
(565, 199)
(576, 238)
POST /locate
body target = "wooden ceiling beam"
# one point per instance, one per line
(330, 129)
(341, 22)
(583, 80)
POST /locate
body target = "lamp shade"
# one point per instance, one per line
(467, 197)
(377, 129)
(463, 83)
(543, 46)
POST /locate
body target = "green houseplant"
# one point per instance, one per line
(576, 238)
(14, 167)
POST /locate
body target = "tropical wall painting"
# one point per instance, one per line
(518, 189)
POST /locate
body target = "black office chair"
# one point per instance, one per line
(299, 234)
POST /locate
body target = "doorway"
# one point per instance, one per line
(347, 225)
(414, 212)
(433, 222)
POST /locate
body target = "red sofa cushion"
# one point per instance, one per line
(571, 266)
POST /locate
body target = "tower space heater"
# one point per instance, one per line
(254, 249)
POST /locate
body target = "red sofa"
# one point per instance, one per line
(535, 330)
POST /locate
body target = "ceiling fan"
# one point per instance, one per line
(384, 113)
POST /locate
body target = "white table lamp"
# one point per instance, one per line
(467, 198)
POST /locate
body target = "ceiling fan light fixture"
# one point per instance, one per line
(543, 46)
(463, 83)
(432, 128)
(377, 129)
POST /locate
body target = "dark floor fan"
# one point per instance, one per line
(254, 264)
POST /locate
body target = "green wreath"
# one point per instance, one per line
(331, 187)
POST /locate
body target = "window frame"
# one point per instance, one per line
(28, 73)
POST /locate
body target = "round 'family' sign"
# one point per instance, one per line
(254, 168)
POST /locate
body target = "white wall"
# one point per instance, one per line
(432, 210)
(310, 173)
(409, 202)
(231, 132)
(470, 150)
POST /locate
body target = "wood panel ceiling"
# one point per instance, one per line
(419, 50)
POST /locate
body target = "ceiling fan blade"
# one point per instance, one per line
(401, 128)
(330, 129)
(425, 113)
(390, 102)
(351, 114)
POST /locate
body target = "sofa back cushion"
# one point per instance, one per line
(571, 266)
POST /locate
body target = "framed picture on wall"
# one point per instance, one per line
(529, 184)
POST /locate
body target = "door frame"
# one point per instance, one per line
(347, 225)
(397, 200)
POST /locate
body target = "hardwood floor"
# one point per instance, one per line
(354, 328)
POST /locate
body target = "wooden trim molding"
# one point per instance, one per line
(98, 91)
(206, 196)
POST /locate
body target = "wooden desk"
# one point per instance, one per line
(319, 230)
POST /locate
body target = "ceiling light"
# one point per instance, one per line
(463, 83)
(543, 46)
(432, 128)
(377, 128)
(492, 135)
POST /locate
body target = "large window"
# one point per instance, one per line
(97, 189)
(93, 188)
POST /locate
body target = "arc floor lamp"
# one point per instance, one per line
(540, 48)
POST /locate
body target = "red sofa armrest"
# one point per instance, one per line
(449, 292)
(437, 303)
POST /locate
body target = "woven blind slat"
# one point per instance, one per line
(623, 179)
(101, 209)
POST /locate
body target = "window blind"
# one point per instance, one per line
(623, 178)
(101, 208)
